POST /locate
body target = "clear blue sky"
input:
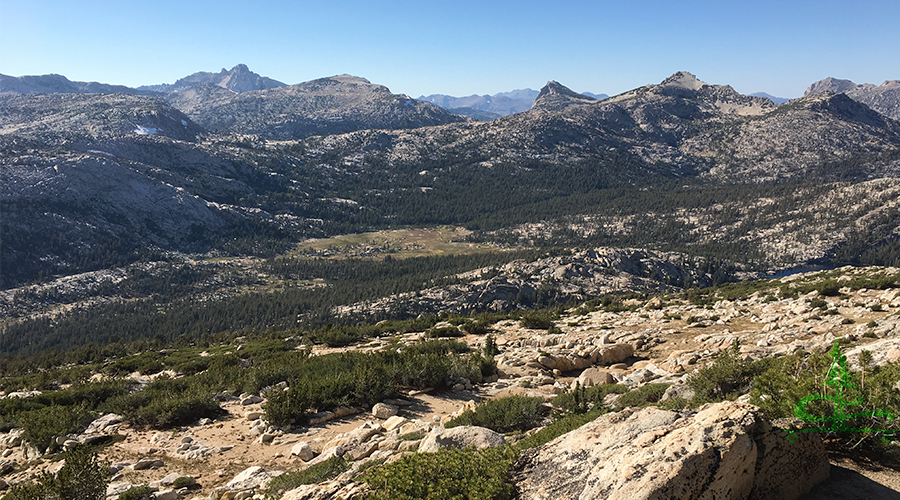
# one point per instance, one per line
(461, 47)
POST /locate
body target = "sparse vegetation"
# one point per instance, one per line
(313, 474)
(508, 414)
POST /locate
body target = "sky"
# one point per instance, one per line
(462, 47)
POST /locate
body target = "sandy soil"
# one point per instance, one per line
(852, 480)
(232, 430)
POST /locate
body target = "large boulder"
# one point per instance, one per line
(725, 450)
(251, 478)
(595, 376)
(610, 355)
(461, 437)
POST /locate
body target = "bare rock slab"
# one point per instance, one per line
(461, 437)
(723, 451)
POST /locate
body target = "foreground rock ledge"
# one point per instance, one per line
(723, 451)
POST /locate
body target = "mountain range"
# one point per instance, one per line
(884, 98)
(99, 179)
(488, 107)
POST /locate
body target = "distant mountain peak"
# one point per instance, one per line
(345, 78)
(833, 84)
(554, 96)
(775, 100)
(884, 98)
(685, 80)
(238, 79)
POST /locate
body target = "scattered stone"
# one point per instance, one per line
(251, 478)
(148, 463)
(303, 451)
(251, 400)
(383, 411)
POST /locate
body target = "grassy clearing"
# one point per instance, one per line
(398, 243)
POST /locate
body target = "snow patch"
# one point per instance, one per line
(139, 130)
(97, 151)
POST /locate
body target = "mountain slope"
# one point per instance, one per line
(884, 98)
(332, 105)
(681, 165)
(34, 84)
(682, 126)
(90, 180)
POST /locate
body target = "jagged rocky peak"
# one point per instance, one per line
(554, 96)
(685, 80)
(238, 79)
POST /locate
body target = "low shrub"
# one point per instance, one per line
(509, 414)
(727, 377)
(42, 426)
(82, 477)
(452, 473)
(448, 473)
(585, 399)
(165, 403)
(323, 471)
(643, 396)
(444, 332)
(142, 492)
(538, 320)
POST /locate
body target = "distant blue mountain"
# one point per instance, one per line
(776, 100)
(487, 107)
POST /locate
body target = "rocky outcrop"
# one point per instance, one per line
(461, 437)
(555, 97)
(884, 98)
(725, 450)
(334, 105)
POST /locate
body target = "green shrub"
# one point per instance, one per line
(509, 414)
(448, 473)
(314, 474)
(490, 346)
(184, 482)
(444, 332)
(142, 492)
(326, 382)
(643, 396)
(42, 426)
(476, 327)
(727, 377)
(585, 399)
(165, 403)
(412, 436)
(538, 320)
(855, 409)
(82, 477)
(436, 346)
